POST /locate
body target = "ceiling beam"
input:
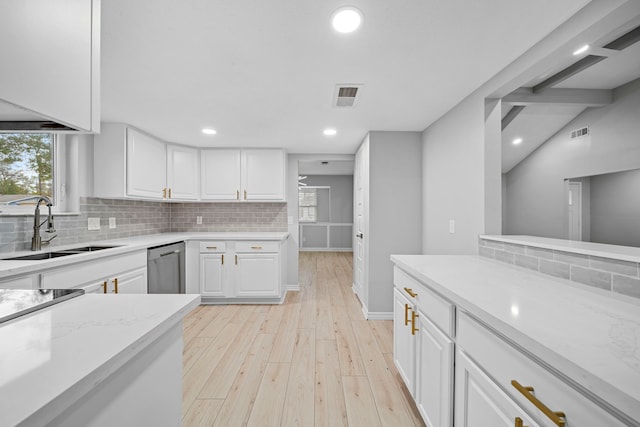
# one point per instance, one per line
(585, 97)
(572, 69)
(513, 112)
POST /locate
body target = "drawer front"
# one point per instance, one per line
(257, 246)
(213, 247)
(504, 363)
(87, 272)
(440, 311)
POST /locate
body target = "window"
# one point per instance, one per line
(307, 205)
(26, 168)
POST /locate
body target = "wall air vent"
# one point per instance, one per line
(346, 95)
(580, 132)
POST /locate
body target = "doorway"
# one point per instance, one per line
(574, 201)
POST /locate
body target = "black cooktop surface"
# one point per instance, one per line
(18, 302)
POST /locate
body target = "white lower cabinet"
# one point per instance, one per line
(122, 274)
(236, 271)
(423, 355)
(212, 275)
(480, 402)
(257, 275)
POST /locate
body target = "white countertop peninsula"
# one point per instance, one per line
(586, 335)
(58, 361)
(10, 268)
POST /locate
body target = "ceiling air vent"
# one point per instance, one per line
(346, 95)
(580, 132)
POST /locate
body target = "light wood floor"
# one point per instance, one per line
(312, 361)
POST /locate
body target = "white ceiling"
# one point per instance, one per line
(263, 72)
(537, 123)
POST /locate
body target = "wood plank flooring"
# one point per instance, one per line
(312, 361)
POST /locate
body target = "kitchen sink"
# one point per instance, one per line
(57, 254)
(40, 256)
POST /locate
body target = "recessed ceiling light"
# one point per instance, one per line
(346, 19)
(583, 49)
(517, 141)
(209, 131)
(330, 132)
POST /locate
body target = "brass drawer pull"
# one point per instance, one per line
(237, 194)
(212, 247)
(519, 422)
(164, 193)
(556, 416)
(104, 286)
(236, 259)
(222, 258)
(410, 292)
(256, 247)
(413, 323)
(115, 284)
(169, 193)
(406, 314)
(245, 194)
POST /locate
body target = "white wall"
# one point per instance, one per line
(535, 187)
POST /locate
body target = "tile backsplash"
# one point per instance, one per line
(134, 218)
(605, 273)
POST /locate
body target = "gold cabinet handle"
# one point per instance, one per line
(256, 247)
(212, 247)
(556, 416)
(164, 193)
(410, 292)
(519, 422)
(413, 323)
(222, 258)
(104, 286)
(169, 193)
(406, 314)
(236, 259)
(237, 194)
(245, 194)
(115, 285)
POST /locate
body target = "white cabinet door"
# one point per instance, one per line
(263, 173)
(132, 282)
(404, 347)
(50, 59)
(434, 374)
(479, 402)
(258, 275)
(220, 174)
(212, 275)
(146, 166)
(183, 175)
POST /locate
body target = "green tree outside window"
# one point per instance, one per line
(25, 165)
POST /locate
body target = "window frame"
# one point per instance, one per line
(57, 142)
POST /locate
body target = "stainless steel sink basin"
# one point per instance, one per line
(40, 256)
(56, 254)
(88, 248)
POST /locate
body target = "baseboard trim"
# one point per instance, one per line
(379, 315)
(293, 287)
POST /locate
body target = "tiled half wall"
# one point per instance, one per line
(134, 218)
(605, 273)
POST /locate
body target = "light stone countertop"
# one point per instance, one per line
(54, 356)
(624, 253)
(10, 268)
(590, 336)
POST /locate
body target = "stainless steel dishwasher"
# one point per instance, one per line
(165, 269)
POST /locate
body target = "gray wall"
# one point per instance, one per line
(535, 187)
(341, 195)
(615, 208)
(394, 209)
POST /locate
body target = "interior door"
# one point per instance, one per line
(575, 210)
(359, 261)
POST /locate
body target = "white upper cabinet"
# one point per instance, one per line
(146, 166)
(247, 174)
(51, 59)
(130, 163)
(263, 174)
(220, 174)
(183, 178)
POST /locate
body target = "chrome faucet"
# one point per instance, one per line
(36, 240)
